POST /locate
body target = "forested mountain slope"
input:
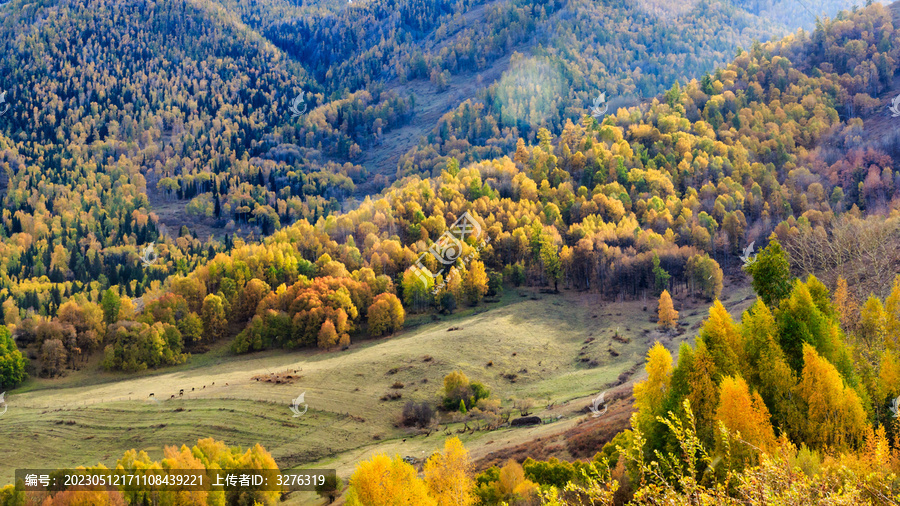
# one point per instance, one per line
(659, 196)
(188, 104)
(662, 196)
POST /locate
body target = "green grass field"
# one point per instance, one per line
(90, 417)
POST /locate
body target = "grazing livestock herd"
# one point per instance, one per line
(181, 392)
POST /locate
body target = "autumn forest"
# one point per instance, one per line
(188, 181)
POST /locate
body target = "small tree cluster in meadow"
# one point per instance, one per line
(458, 393)
(417, 414)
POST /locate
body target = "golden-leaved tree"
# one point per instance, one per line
(328, 337)
(650, 393)
(835, 415)
(702, 380)
(846, 307)
(745, 413)
(722, 338)
(382, 481)
(668, 317)
(386, 314)
(513, 485)
(448, 475)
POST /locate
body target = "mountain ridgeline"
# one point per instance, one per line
(314, 157)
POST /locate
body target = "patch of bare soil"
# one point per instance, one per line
(173, 214)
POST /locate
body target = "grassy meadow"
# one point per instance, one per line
(557, 349)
